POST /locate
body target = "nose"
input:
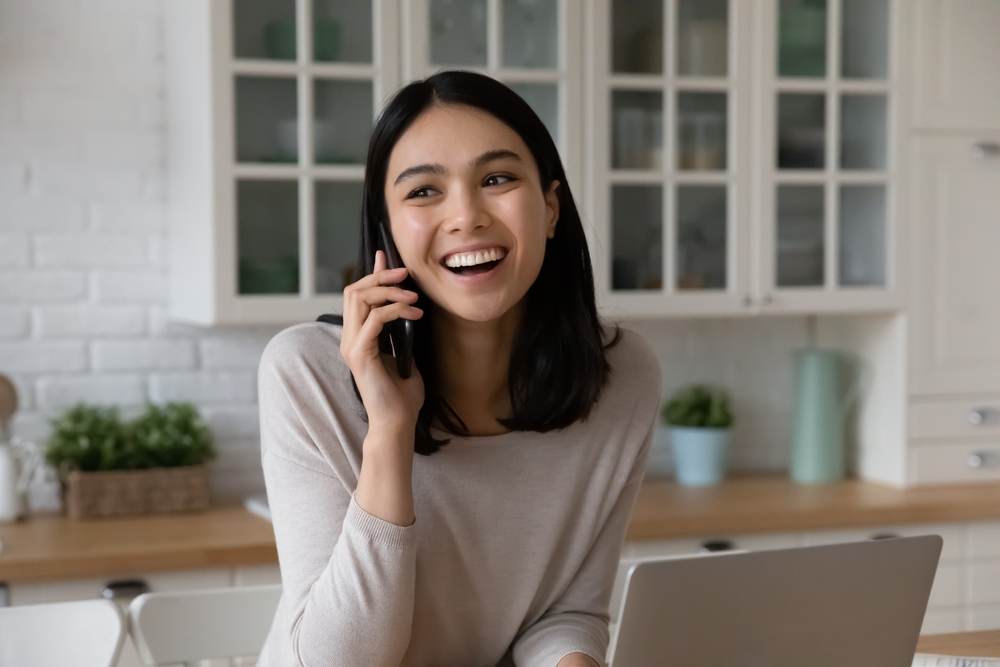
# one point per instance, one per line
(465, 212)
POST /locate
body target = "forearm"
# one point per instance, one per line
(577, 660)
(385, 483)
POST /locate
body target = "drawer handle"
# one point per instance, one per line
(982, 459)
(978, 416)
(717, 546)
(985, 149)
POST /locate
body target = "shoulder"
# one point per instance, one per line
(634, 363)
(314, 346)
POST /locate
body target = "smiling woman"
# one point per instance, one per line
(530, 419)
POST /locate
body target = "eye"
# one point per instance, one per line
(498, 179)
(424, 191)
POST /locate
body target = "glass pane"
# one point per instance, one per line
(862, 131)
(865, 39)
(530, 34)
(702, 37)
(338, 215)
(544, 99)
(801, 131)
(342, 31)
(701, 237)
(458, 32)
(802, 38)
(637, 131)
(342, 121)
(266, 120)
(264, 29)
(800, 235)
(637, 36)
(637, 237)
(701, 131)
(862, 235)
(268, 236)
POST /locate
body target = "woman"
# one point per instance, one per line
(472, 514)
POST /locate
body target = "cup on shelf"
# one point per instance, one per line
(702, 140)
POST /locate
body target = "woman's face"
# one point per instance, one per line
(467, 211)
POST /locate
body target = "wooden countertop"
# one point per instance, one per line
(772, 504)
(54, 547)
(971, 644)
(50, 548)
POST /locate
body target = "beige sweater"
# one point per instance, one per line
(517, 536)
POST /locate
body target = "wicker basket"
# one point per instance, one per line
(92, 495)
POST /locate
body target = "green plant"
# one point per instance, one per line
(698, 406)
(90, 438)
(171, 435)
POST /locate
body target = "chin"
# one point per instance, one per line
(477, 311)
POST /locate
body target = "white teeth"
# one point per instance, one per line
(471, 259)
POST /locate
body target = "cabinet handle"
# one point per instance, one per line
(768, 298)
(716, 546)
(747, 300)
(985, 149)
(982, 459)
(977, 416)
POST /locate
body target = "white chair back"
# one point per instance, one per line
(185, 627)
(89, 633)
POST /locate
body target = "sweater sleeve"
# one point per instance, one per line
(348, 577)
(578, 621)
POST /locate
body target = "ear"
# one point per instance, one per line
(552, 207)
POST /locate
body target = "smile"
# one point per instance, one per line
(474, 263)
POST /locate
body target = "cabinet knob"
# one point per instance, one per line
(747, 300)
(982, 459)
(977, 417)
(768, 298)
(985, 149)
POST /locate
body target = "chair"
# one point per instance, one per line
(185, 627)
(89, 633)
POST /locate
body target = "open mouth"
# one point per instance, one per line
(485, 267)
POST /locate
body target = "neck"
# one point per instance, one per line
(473, 358)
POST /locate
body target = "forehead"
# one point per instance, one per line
(452, 135)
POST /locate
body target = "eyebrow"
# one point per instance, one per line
(435, 168)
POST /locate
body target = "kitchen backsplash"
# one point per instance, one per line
(82, 245)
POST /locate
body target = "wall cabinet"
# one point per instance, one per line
(731, 158)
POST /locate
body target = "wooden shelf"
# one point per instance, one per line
(51, 547)
(772, 504)
(54, 547)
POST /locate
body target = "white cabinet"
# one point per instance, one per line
(270, 106)
(956, 295)
(957, 64)
(744, 155)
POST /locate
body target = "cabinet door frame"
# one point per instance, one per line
(735, 299)
(831, 297)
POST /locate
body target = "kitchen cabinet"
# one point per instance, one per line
(957, 64)
(743, 155)
(730, 158)
(964, 596)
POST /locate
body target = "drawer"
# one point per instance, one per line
(943, 463)
(955, 418)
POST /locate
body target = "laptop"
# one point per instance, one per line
(844, 605)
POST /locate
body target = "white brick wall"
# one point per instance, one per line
(83, 243)
(83, 229)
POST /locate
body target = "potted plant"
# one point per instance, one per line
(149, 465)
(700, 422)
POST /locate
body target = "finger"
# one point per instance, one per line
(381, 294)
(378, 318)
(379, 261)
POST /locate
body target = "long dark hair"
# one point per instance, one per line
(557, 364)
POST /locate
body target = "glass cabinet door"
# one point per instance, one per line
(519, 42)
(666, 175)
(306, 79)
(830, 179)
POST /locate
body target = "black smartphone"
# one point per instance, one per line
(400, 330)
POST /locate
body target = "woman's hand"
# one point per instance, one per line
(577, 660)
(392, 403)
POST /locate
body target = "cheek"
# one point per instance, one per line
(412, 235)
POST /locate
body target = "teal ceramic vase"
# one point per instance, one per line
(700, 454)
(821, 404)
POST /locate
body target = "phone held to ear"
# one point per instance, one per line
(400, 330)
